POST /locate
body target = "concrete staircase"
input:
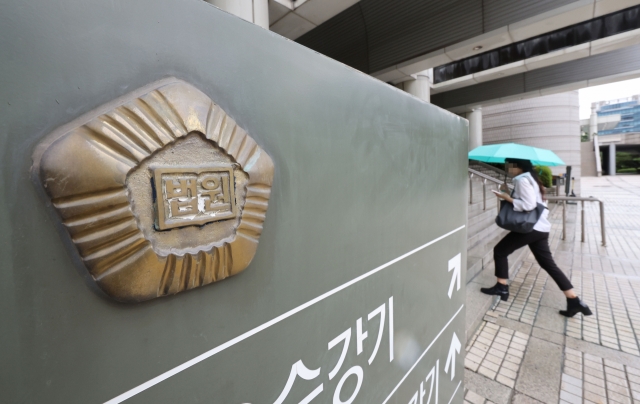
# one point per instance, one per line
(482, 235)
(482, 232)
(489, 170)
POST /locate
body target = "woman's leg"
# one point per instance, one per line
(501, 252)
(542, 253)
(503, 249)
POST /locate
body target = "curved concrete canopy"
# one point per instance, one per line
(618, 65)
(392, 40)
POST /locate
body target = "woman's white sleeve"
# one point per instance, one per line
(526, 200)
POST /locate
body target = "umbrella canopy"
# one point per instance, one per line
(497, 153)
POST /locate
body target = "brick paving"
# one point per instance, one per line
(473, 398)
(525, 292)
(496, 353)
(614, 301)
(528, 283)
(598, 359)
(592, 379)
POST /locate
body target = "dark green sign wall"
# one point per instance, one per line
(355, 294)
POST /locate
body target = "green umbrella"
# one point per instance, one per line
(497, 153)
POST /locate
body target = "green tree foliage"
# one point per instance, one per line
(584, 137)
(628, 162)
(545, 175)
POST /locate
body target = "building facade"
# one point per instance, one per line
(617, 126)
(549, 122)
(628, 111)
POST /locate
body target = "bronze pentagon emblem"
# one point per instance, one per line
(160, 191)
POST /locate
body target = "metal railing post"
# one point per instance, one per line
(484, 194)
(564, 200)
(564, 220)
(556, 199)
(582, 220)
(604, 237)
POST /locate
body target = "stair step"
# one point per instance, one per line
(474, 267)
(476, 313)
(484, 236)
(478, 207)
(481, 225)
(483, 216)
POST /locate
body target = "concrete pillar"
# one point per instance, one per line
(475, 128)
(596, 150)
(255, 11)
(420, 87)
(612, 159)
(593, 122)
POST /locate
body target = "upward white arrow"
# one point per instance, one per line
(451, 358)
(455, 264)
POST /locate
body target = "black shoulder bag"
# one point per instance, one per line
(519, 222)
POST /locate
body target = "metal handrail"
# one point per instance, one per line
(565, 199)
(485, 178)
(490, 167)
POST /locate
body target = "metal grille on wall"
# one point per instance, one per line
(343, 38)
(584, 32)
(397, 32)
(375, 34)
(500, 13)
(611, 63)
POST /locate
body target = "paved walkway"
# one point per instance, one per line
(525, 352)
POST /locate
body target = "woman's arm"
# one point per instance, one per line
(526, 200)
(505, 196)
(504, 193)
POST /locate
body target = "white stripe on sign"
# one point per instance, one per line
(423, 354)
(164, 376)
(455, 391)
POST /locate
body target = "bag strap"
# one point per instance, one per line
(532, 181)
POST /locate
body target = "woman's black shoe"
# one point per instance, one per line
(498, 290)
(575, 306)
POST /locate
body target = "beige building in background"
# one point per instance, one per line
(549, 122)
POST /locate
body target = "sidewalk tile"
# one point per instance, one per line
(596, 398)
(474, 398)
(570, 398)
(572, 380)
(505, 380)
(596, 389)
(570, 388)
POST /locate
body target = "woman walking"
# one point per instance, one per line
(527, 194)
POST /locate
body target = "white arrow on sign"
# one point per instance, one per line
(455, 264)
(451, 359)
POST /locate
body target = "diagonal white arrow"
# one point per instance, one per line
(455, 264)
(451, 358)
